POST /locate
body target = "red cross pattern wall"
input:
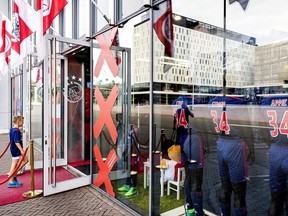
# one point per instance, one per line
(105, 106)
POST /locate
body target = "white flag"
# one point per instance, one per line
(9, 57)
(24, 25)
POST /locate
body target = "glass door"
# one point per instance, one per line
(66, 124)
(33, 108)
(26, 100)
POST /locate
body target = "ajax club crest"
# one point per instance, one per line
(73, 89)
(16, 27)
(46, 7)
(7, 44)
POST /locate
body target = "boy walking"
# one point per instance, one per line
(16, 149)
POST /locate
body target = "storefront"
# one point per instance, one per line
(100, 108)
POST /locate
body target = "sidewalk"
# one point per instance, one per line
(81, 201)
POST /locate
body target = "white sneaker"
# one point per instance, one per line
(21, 171)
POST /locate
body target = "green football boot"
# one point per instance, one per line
(124, 188)
(132, 191)
(191, 212)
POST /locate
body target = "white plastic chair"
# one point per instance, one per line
(176, 185)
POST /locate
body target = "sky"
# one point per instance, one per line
(263, 19)
(266, 20)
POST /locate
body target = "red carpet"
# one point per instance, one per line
(79, 163)
(11, 195)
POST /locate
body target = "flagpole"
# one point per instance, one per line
(104, 16)
(224, 51)
(54, 30)
(91, 86)
(151, 120)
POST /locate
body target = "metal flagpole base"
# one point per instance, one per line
(32, 194)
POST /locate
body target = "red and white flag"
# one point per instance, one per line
(38, 80)
(38, 75)
(3, 64)
(50, 9)
(9, 58)
(116, 42)
(164, 29)
(23, 26)
(46, 11)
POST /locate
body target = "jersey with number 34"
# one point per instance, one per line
(275, 114)
(227, 113)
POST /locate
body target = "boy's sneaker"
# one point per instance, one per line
(124, 188)
(13, 184)
(15, 180)
(133, 190)
(191, 212)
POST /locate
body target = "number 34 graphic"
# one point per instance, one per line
(223, 124)
(283, 129)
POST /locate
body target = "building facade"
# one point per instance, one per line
(103, 114)
(271, 64)
(198, 56)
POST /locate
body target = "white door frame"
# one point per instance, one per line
(50, 163)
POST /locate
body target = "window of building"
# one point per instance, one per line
(284, 51)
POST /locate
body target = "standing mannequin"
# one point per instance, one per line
(274, 110)
(231, 152)
(194, 163)
(181, 124)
